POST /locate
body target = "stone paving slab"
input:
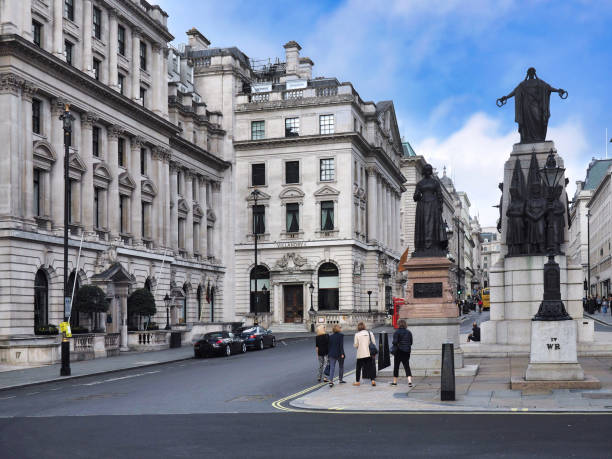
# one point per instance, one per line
(479, 395)
(601, 317)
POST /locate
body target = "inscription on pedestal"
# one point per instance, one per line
(428, 290)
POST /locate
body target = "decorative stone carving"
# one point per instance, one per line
(10, 83)
(290, 262)
(137, 142)
(535, 211)
(28, 90)
(515, 236)
(115, 131)
(88, 119)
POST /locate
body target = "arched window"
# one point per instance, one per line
(147, 285)
(199, 303)
(260, 289)
(41, 300)
(74, 315)
(328, 287)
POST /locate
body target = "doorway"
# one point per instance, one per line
(294, 303)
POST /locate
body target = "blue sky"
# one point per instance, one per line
(443, 63)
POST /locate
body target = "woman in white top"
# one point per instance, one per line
(365, 362)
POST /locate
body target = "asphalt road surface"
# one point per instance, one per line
(222, 408)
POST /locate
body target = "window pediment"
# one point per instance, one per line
(77, 166)
(183, 207)
(292, 193)
(126, 183)
(326, 192)
(148, 188)
(197, 210)
(102, 175)
(262, 197)
(44, 155)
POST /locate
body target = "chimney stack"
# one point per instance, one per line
(197, 41)
(292, 56)
(305, 69)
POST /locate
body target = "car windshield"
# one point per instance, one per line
(214, 335)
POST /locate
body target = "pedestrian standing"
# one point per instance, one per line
(322, 346)
(336, 354)
(365, 361)
(598, 302)
(604, 305)
(402, 344)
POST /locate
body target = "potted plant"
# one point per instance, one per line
(141, 303)
(90, 299)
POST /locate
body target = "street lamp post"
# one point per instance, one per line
(167, 300)
(311, 288)
(67, 119)
(551, 308)
(369, 302)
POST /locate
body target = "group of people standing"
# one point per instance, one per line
(597, 303)
(330, 350)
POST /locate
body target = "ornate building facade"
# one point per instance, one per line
(147, 177)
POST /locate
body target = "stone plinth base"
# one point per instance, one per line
(587, 383)
(428, 292)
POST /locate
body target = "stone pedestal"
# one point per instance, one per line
(554, 354)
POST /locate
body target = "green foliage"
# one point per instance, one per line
(90, 298)
(141, 303)
(47, 329)
(79, 330)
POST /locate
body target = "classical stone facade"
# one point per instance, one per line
(489, 251)
(147, 178)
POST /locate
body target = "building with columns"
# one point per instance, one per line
(147, 171)
(325, 165)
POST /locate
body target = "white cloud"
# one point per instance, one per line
(475, 155)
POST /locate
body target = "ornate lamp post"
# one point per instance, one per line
(369, 302)
(167, 301)
(67, 119)
(552, 308)
(311, 288)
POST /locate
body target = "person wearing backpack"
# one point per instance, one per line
(402, 344)
(365, 343)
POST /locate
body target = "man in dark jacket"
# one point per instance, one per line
(475, 335)
(336, 354)
(402, 344)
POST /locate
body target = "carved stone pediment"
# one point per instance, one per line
(326, 191)
(183, 207)
(77, 166)
(44, 155)
(291, 262)
(148, 187)
(262, 197)
(292, 193)
(126, 181)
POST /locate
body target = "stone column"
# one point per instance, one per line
(112, 49)
(87, 62)
(216, 202)
(136, 33)
(189, 221)
(164, 82)
(166, 202)
(173, 206)
(113, 187)
(57, 173)
(136, 205)
(204, 221)
(371, 196)
(383, 213)
(156, 77)
(27, 92)
(156, 206)
(379, 211)
(58, 29)
(122, 291)
(10, 129)
(87, 120)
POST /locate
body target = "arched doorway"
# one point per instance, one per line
(328, 287)
(75, 319)
(260, 289)
(41, 300)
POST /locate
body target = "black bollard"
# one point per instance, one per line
(381, 351)
(65, 368)
(447, 375)
(387, 361)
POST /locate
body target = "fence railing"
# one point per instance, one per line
(111, 340)
(83, 342)
(327, 91)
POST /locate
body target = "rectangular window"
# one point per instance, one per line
(179, 183)
(292, 127)
(292, 172)
(68, 47)
(143, 161)
(122, 209)
(96, 68)
(143, 95)
(327, 215)
(327, 169)
(259, 219)
(36, 116)
(143, 55)
(293, 218)
(36, 196)
(97, 207)
(69, 9)
(258, 174)
(120, 83)
(326, 124)
(121, 151)
(95, 141)
(37, 33)
(97, 22)
(258, 130)
(121, 40)
(181, 233)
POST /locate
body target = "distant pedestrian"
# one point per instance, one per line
(322, 346)
(336, 354)
(475, 335)
(365, 361)
(479, 306)
(604, 305)
(402, 344)
(598, 302)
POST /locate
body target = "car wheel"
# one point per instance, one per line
(243, 348)
(197, 355)
(228, 351)
(261, 345)
(273, 342)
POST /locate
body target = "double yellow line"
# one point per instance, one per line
(278, 404)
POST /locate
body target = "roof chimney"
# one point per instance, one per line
(305, 69)
(197, 41)
(292, 56)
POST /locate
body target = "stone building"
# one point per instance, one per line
(489, 251)
(146, 176)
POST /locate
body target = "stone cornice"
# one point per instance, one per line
(198, 153)
(295, 103)
(134, 9)
(14, 45)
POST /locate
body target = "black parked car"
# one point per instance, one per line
(220, 343)
(258, 337)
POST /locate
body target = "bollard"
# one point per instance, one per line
(447, 375)
(383, 351)
(387, 361)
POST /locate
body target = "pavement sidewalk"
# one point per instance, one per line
(16, 377)
(489, 390)
(601, 317)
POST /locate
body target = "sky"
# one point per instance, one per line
(443, 63)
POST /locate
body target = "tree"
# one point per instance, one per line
(141, 303)
(90, 299)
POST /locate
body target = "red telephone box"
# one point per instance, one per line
(397, 302)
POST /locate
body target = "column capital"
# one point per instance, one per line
(57, 106)
(156, 46)
(371, 170)
(28, 90)
(136, 32)
(113, 13)
(137, 142)
(115, 131)
(88, 119)
(10, 83)
(166, 50)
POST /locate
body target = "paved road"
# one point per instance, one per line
(221, 407)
